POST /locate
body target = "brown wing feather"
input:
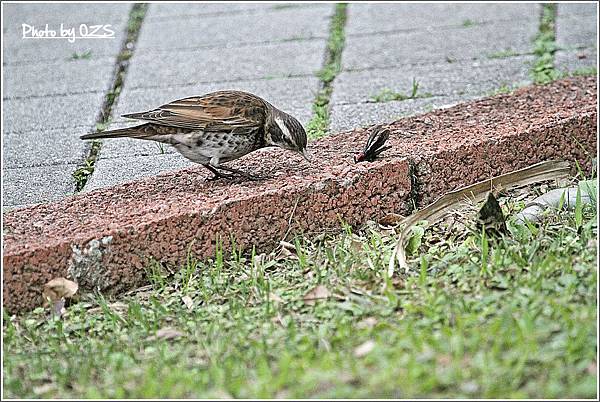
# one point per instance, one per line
(216, 111)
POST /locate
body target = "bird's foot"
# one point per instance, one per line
(241, 173)
(218, 176)
(233, 173)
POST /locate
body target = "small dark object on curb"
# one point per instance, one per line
(374, 146)
(491, 217)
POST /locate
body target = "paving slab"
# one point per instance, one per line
(574, 60)
(349, 116)
(103, 239)
(438, 45)
(31, 185)
(572, 8)
(232, 30)
(470, 77)
(160, 69)
(190, 10)
(45, 147)
(113, 171)
(35, 114)
(381, 17)
(574, 31)
(67, 77)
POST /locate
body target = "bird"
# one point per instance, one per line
(216, 128)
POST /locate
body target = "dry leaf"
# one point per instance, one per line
(364, 348)
(477, 192)
(285, 254)
(368, 322)
(56, 291)
(357, 243)
(444, 360)
(491, 217)
(318, 293)
(287, 245)
(189, 303)
(166, 333)
(44, 388)
(59, 288)
(592, 368)
(275, 298)
(118, 308)
(391, 220)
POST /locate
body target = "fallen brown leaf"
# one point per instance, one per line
(391, 220)
(285, 254)
(368, 322)
(189, 303)
(318, 293)
(44, 388)
(59, 288)
(56, 291)
(166, 333)
(364, 348)
(592, 368)
(275, 298)
(474, 193)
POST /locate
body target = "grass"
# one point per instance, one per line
(503, 54)
(468, 23)
(81, 56)
(543, 70)
(319, 124)
(582, 72)
(387, 95)
(503, 89)
(83, 173)
(480, 317)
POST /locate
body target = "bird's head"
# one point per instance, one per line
(286, 132)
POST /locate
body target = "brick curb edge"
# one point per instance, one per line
(103, 239)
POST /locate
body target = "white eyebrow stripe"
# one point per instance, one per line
(283, 128)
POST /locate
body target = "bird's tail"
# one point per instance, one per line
(132, 132)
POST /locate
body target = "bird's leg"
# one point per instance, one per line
(217, 175)
(214, 165)
(241, 173)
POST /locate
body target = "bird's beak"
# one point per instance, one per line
(305, 155)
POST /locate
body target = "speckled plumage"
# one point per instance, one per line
(217, 127)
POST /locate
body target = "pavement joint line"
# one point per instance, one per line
(268, 43)
(219, 45)
(319, 124)
(59, 95)
(83, 127)
(428, 63)
(134, 24)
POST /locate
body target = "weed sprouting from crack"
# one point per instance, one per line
(136, 17)
(543, 70)
(503, 54)
(318, 125)
(387, 95)
(81, 56)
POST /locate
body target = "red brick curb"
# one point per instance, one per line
(103, 239)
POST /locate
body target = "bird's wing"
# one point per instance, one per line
(217, 111)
